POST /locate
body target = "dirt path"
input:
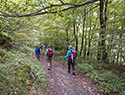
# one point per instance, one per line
(63, 83)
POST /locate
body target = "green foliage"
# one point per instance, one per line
(20, 73)
(57, 30)
(60, 53)
(15, 79)
(84, 68)
(111, 82)
(26, 49)
(108, 81)
(59, 58)
(122, 93)
(6, 32)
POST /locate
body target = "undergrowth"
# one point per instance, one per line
(19, 73)
(110, 82)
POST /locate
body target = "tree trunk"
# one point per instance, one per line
(82, 42)
(121, 34)
(89, 39)
(76, 38)
(77, 31)
(84, 54)
(67, 40)
(102, 55)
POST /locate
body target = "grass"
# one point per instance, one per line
(19, 73)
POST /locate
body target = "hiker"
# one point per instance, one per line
(49, 53)
(71, 55)
(42, 46)
(37, 52)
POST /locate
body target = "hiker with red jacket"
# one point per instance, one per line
(49, 53)
(71, 55)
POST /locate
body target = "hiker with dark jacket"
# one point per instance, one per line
(71, 55)
(49, 53)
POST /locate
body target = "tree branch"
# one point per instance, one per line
(61, 1)
(38, 12)
(92, 8)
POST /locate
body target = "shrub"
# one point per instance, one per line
(108, 81)
(84, 68)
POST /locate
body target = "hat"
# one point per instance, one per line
(70, 46)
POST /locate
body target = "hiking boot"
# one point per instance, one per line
(48, 68)
(68, 71)
(73, 73)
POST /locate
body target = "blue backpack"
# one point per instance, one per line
(37, 50)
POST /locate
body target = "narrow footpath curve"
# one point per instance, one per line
(63, 83)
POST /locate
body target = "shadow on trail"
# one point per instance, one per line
(63, 83)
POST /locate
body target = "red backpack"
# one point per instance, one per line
(73, 54)
(50, 52)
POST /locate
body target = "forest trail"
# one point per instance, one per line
(63, 83)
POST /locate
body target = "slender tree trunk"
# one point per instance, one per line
(76, 38)
(101, 27)
(111, 47)
(105, 55)
(77, 30)
(102, 55)
(92, 35)
(82, 42)
(84, 54)
(89, 39)
(67, 40)
(121, 34)
(117, 57)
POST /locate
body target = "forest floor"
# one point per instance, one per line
(63, 83)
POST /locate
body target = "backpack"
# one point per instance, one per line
(50, 52)
(73, 54)
(37, 50)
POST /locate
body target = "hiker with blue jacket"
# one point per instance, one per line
(37, 52)
(71, 55)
